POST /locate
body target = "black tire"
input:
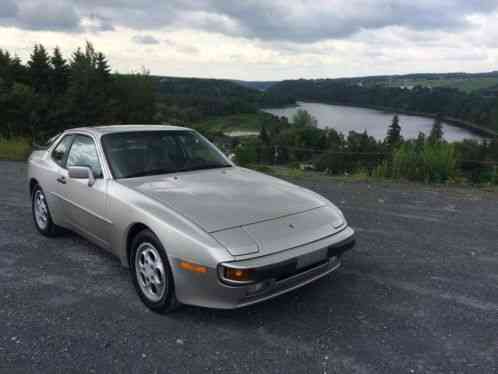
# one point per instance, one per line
(168, 302)
(50, 229)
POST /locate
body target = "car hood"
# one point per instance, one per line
(218, 199)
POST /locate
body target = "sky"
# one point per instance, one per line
(263, 39)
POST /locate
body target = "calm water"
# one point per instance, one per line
(345, 119)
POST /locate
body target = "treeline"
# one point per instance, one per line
(50, 93)
(427, 158)
(447, 102)
(188, 100)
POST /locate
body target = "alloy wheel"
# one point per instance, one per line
(150, 272)
(41, 210)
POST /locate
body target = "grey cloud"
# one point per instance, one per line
(277, 20)
(329, 19)
(48, 15)
(96, 22)
(8, 9)
(145, 39)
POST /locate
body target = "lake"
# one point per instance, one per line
(345, 119)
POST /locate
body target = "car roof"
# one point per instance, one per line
(102, 130)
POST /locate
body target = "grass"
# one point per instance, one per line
(285, 172)
(236, 122)
(15, 149)
(463, 84)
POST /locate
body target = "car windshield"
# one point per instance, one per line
(143, 153)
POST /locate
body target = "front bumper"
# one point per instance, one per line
(279, 273)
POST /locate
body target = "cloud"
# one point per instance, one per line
(8, 9)
(264, 39)
(145, 39)
(301, 21)
(47, 15)
(277, 20)
(182, 48)
(96, 23)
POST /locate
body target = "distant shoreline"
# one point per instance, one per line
(470, 126)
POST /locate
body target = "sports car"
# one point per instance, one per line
(193, 227)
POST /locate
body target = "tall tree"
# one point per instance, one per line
(60, 72)
(263, 135)
(102, 67)
(394, 138)
(40, 70)
(303, 118)
(436, 135)
(6, 77)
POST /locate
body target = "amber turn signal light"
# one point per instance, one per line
(237, 275)
(192, 267)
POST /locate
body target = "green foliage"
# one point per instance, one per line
(434, 162)
(436, 135)
(14, 149)
(263, 135)
(187, 100)
(481, 109)
(478, 161)
(250, 122)
(246, 154)
(394, 138)
(262, 168)
(303, 119)
(50, 94)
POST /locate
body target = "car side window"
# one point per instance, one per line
(83, 152)
(60, 152)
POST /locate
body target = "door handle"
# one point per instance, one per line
(61, 180)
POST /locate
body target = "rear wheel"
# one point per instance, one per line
(151, 273)
(41, 214)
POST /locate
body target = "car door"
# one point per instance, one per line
(55, 174)
(86, 206)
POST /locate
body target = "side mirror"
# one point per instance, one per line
(82, 172)
(232, 157)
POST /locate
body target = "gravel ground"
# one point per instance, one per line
(419, 294)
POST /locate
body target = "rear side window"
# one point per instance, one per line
(84, 153)
(59, 154)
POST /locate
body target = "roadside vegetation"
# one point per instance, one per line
(50, 93)
(15, 149)
(302, 146)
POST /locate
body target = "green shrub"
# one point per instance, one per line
(246, 154)
(294, 165)
(262, 168)
(428, 163)
(14, 149)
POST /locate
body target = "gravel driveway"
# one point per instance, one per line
(419, 294)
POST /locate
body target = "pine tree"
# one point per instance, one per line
(394, 138)
(263, 135)
(60, 73)
(102, 67)
(90, 88)
(420, 142)
(40, 70)
(5, 64)
(436, 135)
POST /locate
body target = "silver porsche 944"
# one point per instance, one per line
(192, 226)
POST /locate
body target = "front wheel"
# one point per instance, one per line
(41, 214)
(151, 273)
